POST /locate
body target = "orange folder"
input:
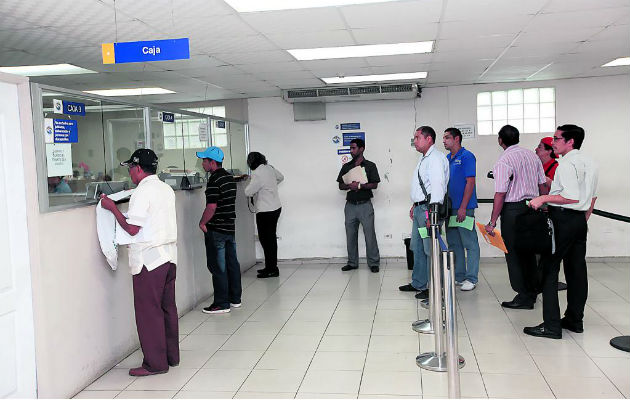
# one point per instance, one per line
(496, 240)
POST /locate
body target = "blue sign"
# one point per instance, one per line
(347, 137)
(352, 126)
(221, 124)
(73, 108)
(65, 131)
(168, 117)
(343, 151)
(149, 50)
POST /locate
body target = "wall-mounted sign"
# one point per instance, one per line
(467, 130)
(350, 126)
(336, 139)
(60, 131)
(59, 159)
(147, 50)
(343, 151)
(166, 117)
(220, 124)
(68, 107)
(203, 132)
(347, 137)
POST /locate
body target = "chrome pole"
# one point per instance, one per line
(427, 325)
(452, 353)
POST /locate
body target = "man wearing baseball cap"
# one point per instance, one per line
(152, 262)
(217, 224)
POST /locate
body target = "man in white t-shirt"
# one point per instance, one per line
(152, 262)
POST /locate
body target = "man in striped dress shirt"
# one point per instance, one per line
(217, 223)
(518, 177)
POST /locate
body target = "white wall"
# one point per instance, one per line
(311, 224)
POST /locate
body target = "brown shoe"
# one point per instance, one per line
(141, 371)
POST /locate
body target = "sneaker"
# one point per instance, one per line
(236, 305)
(212, 309)
(467, 285)
(458, 283)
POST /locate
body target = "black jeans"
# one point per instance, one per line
(224, 267)
(267, 223)
(521, 265)
(570, 233)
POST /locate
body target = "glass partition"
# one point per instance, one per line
(238, 148)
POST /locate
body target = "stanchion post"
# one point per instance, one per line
(427, 326)
(452, 353)
(436, 301)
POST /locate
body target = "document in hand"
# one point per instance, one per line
(468, 223)
(356, 174)
(496, 240)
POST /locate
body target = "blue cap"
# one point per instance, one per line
(213, 153)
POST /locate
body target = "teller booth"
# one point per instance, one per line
(83, 310)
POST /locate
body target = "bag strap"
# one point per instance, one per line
(427, 198)
(554, 163)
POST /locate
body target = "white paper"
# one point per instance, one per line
(356, 174)
(59, 159)
(203, 133)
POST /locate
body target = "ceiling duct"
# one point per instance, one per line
(352, 93)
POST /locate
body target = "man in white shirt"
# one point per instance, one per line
(152, 262)
(571, 201)
(432, 172)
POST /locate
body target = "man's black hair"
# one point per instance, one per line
(358, 142)
(454, 132)
(574, 132)
(509, 135)
(427, 131)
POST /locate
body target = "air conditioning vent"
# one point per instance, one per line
(333, 92)
(299, 94)
(365, 90)
(397, 91)
(396, 88)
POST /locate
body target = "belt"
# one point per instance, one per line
(566, 210)
(357, 201)
(419, 203)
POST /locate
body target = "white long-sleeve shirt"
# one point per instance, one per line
(433, 169)
(263, 187)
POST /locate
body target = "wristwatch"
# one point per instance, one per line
(359, 186)
(492, 225)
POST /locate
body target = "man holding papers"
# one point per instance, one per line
(460, 232)
(359, 176)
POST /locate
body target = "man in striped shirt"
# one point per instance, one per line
(217, 223)
(518, 177)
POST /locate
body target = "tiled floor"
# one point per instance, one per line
(317, 332)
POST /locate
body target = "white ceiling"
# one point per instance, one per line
(244, 55)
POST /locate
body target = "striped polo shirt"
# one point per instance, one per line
(221, 190)
(518, 172)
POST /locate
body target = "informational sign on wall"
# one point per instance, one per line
(59, 159)
(220, 124)
(166, 117)
(348, 137)
(68, 107)
(350, 126)
(203, 132)
(146, 50)
(343, 151)
(467, 130)
(60, 131)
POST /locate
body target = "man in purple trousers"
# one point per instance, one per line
(152, 257)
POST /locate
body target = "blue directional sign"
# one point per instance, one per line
(168, 117)
(146, 50)
(343, 151)
(350, 126)
(68, 107)
(347, 137)
(65, 131)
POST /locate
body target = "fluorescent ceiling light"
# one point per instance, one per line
(130, 92)
(273, 5)
(42, 70)
(376, 78)
(618, 62)
(371, 50)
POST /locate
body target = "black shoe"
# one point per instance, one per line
(517, 305)
(261, 270)
(423, 294)
(374, 268)
(268, 274)
(541, 331)
(562, 286)
(348, 267)
(407, 288)
(577, 327)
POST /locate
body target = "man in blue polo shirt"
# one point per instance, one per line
(461, 189)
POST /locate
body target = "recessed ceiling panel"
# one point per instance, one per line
(396, 34)
(308, 40)
(297, 21)
(392, 14)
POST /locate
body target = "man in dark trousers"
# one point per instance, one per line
(217, 224)
(152, 262)
(359, 210)
(571, 201)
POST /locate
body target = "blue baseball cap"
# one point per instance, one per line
(213, 153)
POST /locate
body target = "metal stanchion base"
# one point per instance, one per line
(422, 326)
(621, 342)
(432, 362)
(424, 304)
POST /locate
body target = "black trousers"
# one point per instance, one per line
(521, 265)
(570, 232)
(267, 224)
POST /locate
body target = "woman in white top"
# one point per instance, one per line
(263, 187)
